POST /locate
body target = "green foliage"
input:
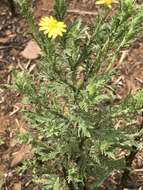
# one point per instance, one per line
(72, 101)
(60, 9)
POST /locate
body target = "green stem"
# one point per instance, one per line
(85, 54)
(102, 54)
(110, 66)
(87, 46)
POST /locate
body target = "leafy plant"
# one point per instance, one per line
(73, 105)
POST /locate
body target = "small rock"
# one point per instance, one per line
(31, 51)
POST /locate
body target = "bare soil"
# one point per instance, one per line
(13, 39)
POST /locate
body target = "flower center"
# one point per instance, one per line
(54, 24)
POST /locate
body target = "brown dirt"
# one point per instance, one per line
(13, 39)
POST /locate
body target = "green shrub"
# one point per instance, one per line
(72, 99)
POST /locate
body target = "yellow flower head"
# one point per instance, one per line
(52, 27)
(107, 3)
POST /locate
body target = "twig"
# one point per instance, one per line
(123, 56)
(139, 80)
(17, 109)
(20, 66)
(28, 64)
(32, 68)
(76, 11)
(7, 47)
(137, 170)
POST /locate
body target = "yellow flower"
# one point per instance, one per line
(108, 3)
(52, 27)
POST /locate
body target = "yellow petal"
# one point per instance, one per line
(52, 27)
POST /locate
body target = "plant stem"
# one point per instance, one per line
(85, 54)
(110, 66)
(70, 185)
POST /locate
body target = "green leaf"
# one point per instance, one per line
(56, 185)
(60, 9)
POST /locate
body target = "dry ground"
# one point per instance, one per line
(13, 39)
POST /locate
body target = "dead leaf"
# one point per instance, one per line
(31, 51)
(4, 40)
(17, 186)
(21, 126)
(21, 155)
